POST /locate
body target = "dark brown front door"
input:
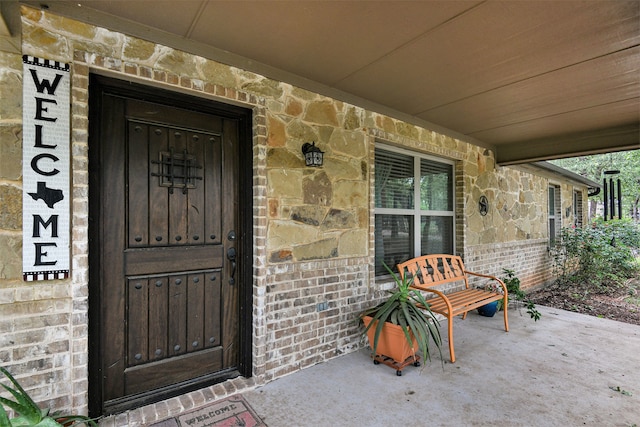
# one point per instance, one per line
(167, 235)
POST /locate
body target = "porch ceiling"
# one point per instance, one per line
(531, 80)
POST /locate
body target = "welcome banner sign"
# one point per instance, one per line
(46, 170)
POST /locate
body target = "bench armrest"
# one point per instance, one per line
(504, 287)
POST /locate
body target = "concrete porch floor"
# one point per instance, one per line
(567, 369)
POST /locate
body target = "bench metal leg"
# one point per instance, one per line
(506, 317)
(451, 351)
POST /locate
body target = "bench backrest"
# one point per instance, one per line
(434, 270)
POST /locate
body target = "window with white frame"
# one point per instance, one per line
(555, 214)
(414, 206)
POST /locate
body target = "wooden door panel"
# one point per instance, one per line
(212, 318)
(138, 171)
(195, 314)
(138, 321)
(158, 195)
(178, 200)
(176, 258)
(196, 208)
(212, 174)
(143, 378)
(158, 303)
(155, 113)
(177, 331)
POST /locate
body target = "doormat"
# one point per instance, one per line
(233, 411)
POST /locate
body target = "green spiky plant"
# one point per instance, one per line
(28, 412)
(408, 309)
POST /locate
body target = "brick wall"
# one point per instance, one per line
(310, 312)
(529, 259)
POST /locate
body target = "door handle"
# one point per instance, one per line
(231, 256)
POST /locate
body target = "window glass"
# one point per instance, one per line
(396, 240)
(436, 186)
(577, 208)
(394, 181)
(436, 235)
(555, 215)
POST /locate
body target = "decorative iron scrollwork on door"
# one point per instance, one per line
(177, 170)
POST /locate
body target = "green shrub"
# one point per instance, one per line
(602, 254)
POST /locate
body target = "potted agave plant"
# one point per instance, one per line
(400, 326)
(29, 414)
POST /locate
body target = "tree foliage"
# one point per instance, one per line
(593, 168)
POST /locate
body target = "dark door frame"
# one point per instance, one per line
(98, 87)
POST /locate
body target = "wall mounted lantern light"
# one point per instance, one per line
(312, 154)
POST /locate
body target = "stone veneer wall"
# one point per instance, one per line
(313, 228)
(517, 206)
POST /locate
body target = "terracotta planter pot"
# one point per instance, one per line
(392, 342)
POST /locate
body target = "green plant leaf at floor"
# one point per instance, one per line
(28, 412)
(621, 391)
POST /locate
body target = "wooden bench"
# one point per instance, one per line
(429, 272)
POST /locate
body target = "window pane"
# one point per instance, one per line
(552, 199)
(394, 240)
(577, 209)
(436, 186)
(394, 180)
(436, 235)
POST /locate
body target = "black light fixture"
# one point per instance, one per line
(313, 156)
